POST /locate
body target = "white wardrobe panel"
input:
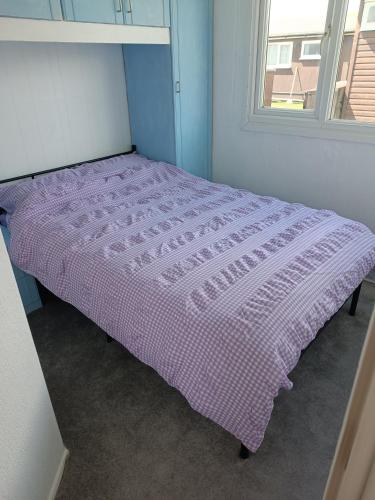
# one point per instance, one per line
(60, 104)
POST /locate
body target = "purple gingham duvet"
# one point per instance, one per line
(216, 288)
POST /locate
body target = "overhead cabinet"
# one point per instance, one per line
(147, 12)
(136, 12)
(33, 9)
(170, 90)
(105, 11)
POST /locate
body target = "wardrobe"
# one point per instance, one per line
(169, 86)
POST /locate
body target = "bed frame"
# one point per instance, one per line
(73, 165)
(244, 452)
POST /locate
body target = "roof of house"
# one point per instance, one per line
(288, 17)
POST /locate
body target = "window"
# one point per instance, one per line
(312, 67)
(368, 18)
(279, 55)
(287, 21)
(354, 92)
(310, 49)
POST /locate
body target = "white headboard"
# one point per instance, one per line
(60, 104)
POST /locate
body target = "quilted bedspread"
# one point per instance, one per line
(216, 288)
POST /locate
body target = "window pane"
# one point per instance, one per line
(272, 55)
(311, 49)
(290, 80)
(354, 93)
(371, 14)
(285, 55)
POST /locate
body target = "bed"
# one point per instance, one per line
(218, 289)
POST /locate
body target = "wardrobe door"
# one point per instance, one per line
(191, 26)
(33, 9)
(103, 11)
(149, 86)
(147, 12)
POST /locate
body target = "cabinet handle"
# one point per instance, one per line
(118, 5)
(178, 87)
(129, 11)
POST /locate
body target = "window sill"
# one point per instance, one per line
(310, 58)
(275, 68)
(311, 128)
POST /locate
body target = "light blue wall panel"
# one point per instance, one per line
(38, 9)
(191, 24)
(149, 85)
(26, 283)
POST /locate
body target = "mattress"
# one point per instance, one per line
(218, 289)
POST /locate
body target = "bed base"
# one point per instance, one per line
(245, 452)
(32, 175)
(354, 302)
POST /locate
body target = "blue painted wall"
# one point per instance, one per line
(149, 84)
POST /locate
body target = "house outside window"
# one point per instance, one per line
(324, 78)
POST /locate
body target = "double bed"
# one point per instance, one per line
(218, 289)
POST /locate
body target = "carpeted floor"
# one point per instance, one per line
(133, 437)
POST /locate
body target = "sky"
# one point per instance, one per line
(305, 16)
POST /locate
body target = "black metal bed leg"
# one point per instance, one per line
(355, 297)
(244, 452)
(109, 338)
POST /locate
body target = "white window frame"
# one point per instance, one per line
(367, 26)
(278, 65)
(308, 123)
(308, 57)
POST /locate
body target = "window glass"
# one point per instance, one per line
(272, 55)
(285, 55)
(292, 68)
(311, 49)
(366, 11)
(371, 14)
(354, 93)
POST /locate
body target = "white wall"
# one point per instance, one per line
(60, 104)
(31, 450)
(319, 173)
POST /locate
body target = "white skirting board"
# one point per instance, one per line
(58, 476)
(35, 30)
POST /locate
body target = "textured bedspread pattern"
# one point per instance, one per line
(216, 288)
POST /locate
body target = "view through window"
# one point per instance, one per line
(295, 31)
(294, 43)
(354, 97)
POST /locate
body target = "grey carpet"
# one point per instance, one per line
(132, 437)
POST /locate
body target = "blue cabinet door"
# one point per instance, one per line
(149, 87)
(34, 9)
(147, 12)
(26, 283)
(191, 25)
(98, 11)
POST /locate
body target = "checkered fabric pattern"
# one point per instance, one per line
(216, 288)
